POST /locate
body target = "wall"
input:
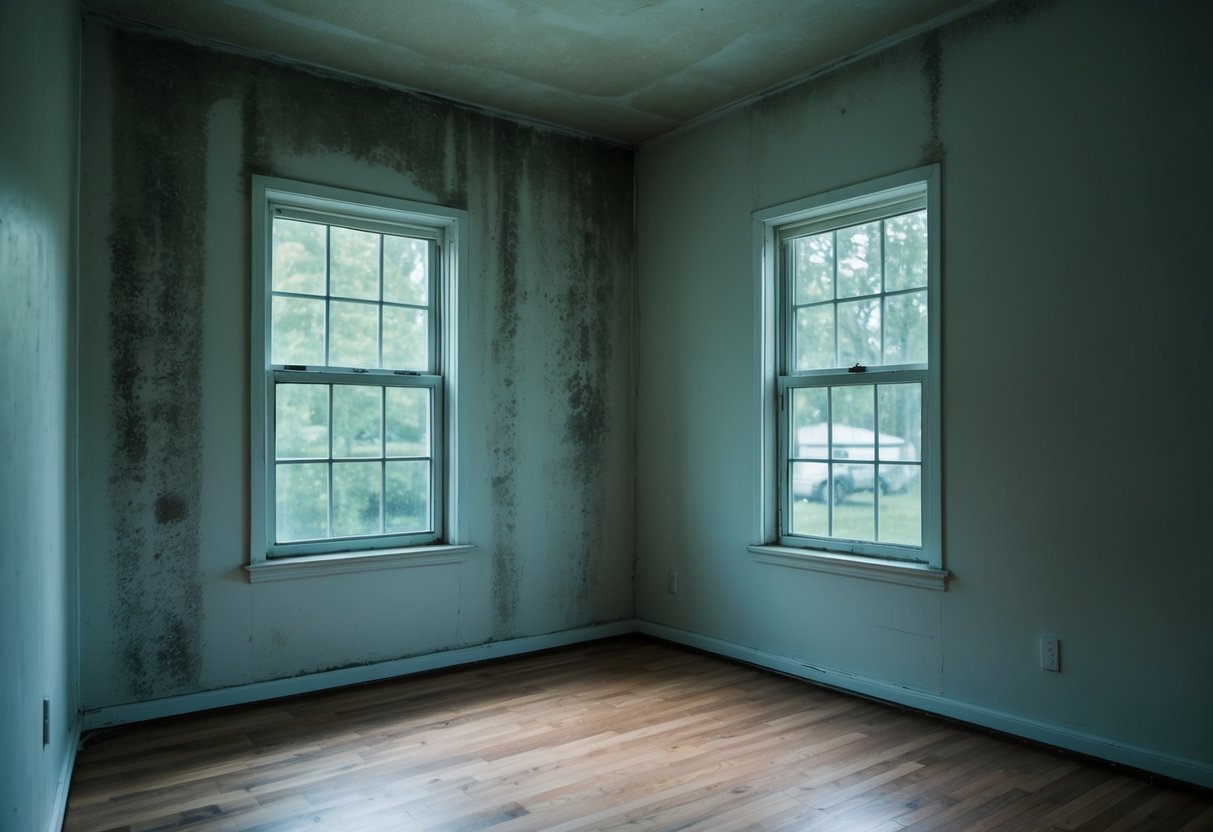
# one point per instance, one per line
(1074, 141)
(38, 151)
(172, 133)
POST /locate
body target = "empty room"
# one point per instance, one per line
(559, 414)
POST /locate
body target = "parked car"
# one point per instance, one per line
(810, 480)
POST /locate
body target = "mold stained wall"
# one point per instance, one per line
(39, 49)
(172, 134)
(1074, 140)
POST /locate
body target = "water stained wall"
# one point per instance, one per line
(545, 307)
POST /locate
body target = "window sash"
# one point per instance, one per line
(381, 380)
(785, 441)
(786, 294)
(434, 237)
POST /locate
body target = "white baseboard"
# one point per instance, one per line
(64, 785)
(276, 688)
(1178, 768)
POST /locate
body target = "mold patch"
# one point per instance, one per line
(932, 59)
(170, 508)
(157, 261)
(291, 113)
(596, 191)
(503, 361)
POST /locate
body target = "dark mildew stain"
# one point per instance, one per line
(290, 113)
(170, 508)
(157, 208)
(596, 191)
(932, 58)
(508, 148)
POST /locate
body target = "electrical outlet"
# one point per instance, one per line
(671, 582)
(1050, 653)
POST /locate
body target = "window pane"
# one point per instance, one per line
(301, 421)
(810, 406)
(406, 344)
(297, 331)
(357, 420)
(298, 257)
(905, 332)
(302, 497)
(354, 336)
(900, 505)
(853, 422)
(356, 487)
(900, 407)
(810, 483)
(813, 268)
(854, 501)
(905, 252)
(408, 496)
(859, 332)
(815, 337)
(809, 492)
(354, 269)
(406, 270)
(408, 421)
(859, 260)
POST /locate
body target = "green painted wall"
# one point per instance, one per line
(1074, 139)
(39, 100)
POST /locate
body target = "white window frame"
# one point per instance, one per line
(918, 566)
(269, 560)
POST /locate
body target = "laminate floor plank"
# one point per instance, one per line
(628, 733)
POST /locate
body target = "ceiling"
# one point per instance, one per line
(623, 70)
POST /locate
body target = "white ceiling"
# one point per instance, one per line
(623, 70)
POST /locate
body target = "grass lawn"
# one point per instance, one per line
(855, 517)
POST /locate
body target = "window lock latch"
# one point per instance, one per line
(858, 368)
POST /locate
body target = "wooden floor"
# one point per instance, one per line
(623, 734)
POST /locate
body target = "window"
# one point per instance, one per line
(854, 369)
(352, 329)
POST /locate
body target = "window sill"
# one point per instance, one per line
(310, 566)
(908, 574)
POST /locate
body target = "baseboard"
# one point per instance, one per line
(64, 785)
(277, 688)
(1177, 768)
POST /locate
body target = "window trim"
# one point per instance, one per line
(368, 210)
(837, 208)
